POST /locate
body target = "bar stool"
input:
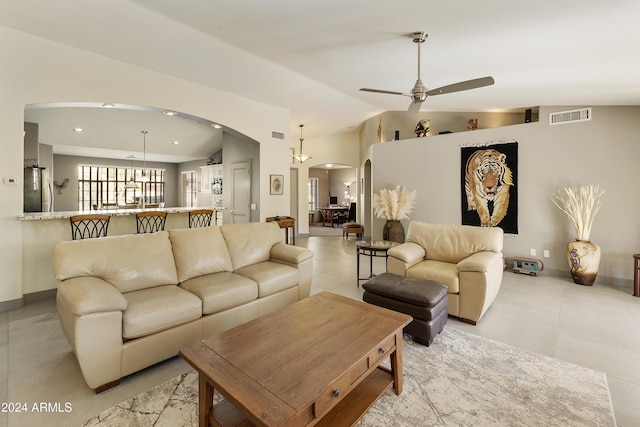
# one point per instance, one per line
(200, 218)
(150, 221)
(89, 226)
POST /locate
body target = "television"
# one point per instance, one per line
(333, 200)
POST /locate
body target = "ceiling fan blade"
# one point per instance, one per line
(414, 107)
(364, 89)
(460, 86)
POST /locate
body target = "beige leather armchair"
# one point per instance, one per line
(467, 259)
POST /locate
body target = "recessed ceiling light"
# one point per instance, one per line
(176, 142)
(217, 126)
(108, 105)
(170, 113)
(329, 165)
(78, 130)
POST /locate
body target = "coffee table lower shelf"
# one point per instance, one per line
(346, 413)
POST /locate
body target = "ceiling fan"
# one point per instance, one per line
(419, 92)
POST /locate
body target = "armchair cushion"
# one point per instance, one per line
(437, 271)
(453, 243)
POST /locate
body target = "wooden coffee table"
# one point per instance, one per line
(314, 362)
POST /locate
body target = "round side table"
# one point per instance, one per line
(372, 249)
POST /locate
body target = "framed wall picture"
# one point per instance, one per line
(277, 184)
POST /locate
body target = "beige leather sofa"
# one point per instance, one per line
(465, 258)
(128, 302)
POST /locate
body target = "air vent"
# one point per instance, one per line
(572, 116)
(277, 135)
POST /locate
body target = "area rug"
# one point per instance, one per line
(460, 380)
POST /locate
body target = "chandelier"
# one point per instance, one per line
(300, 156)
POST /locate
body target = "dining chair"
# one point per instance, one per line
(200, 218)
(89, 226)
(150, 221)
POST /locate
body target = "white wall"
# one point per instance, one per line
(604, 151)
(35, 70)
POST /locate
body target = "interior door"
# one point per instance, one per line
(240, 192)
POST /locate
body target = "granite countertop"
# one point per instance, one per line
(36, 216)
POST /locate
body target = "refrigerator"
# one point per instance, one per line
(38, 194)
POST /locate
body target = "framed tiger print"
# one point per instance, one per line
(489, 181)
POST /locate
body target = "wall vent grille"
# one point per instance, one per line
(277, 135)
(571, 116)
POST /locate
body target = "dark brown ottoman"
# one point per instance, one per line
(424, 300)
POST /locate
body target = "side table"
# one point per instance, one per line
(372, 249)
(287, 223)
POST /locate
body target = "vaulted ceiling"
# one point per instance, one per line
(313, 57)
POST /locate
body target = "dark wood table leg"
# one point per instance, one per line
(636, 275)
(358, 268)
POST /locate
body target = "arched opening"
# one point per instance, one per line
(330, 185)
(183, 146)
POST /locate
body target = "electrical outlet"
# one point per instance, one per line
(532, 252)
(546, 253)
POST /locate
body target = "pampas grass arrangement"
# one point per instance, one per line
(581, 205)
(394, 205)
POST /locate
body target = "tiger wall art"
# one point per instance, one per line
(489, 176)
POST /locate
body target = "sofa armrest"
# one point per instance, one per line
(301, 259)
(86, 295)
(290, 254)
(481, 262)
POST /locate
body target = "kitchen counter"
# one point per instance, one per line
(36, 216)
(42, 230)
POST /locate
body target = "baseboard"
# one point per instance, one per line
(39, 296)
(616, 282)
(26, 299)
(11, 305)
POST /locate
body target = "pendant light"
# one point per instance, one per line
(144, 177)
(300, 156)
(131, 184)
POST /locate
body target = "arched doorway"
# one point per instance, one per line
(330, 184)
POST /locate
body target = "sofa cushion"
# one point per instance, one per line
(221, 291)
(129, 262)
(199, 251)
(451, 242)
(438, 271)
(272, 277)
(250, 243)
(156, 309)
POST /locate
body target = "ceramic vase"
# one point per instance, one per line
(584, 261)
(393, 231)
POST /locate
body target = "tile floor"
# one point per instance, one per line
(597, 327)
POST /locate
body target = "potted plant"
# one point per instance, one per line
(581, 206)
(394, 206)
